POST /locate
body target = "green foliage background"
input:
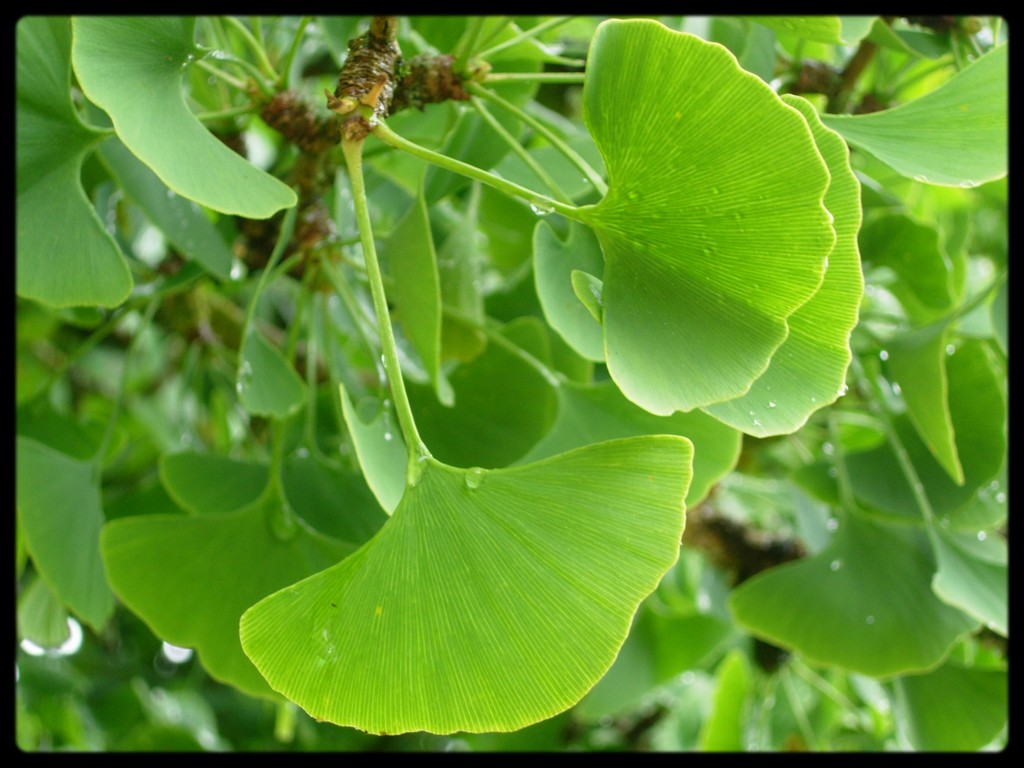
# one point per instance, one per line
(753, 267)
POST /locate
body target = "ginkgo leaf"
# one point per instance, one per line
(955, 135)
(59, 513)
(592, 413)
(182, 221)
(953, 708)
(490, 600)
(190, 577)
(917, 363)
(873, 581)
(267, 384)
(132, 67)
(809, 370)
(973, 575)
(65, 256)
(713, 228)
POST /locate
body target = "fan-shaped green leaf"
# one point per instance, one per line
(658, 648)
(809, 370)
(823, 29)
(316, 489)
(954, 708)
(206, 482)
(191, 577)
(594, 413)
(973, 575)
(957, 134)
(41, 617)
(132, 68)
(460, 261)
(267, 384)
(490, 600)
(183, 223)
(59, 514)
(65, 256)
(874, 581)
(554, 261)
(923, 281)
(713, 228)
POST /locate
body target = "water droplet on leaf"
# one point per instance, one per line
(883, 355)
(835, 565)
(474, 477)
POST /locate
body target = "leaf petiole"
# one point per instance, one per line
(353, 151)
(540, 203)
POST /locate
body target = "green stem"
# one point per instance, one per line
(222, 114)
(528, 34)
(877, 404)
(520, 150)
(537, 200)
(535, 77)
(293, 49)
(353, 151)
(839, 463)
(353, 308)
(256, 47)
(493, 334)
(108, 433)
(799, 712)
(467, 43)
(570, 154)
(283, 238)
(500, 22)
(231, 80)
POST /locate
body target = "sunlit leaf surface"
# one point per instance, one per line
(490, 600)
(713, 228)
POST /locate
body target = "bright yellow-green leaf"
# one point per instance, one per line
(809, 370)
(490, 600)
(713, 228)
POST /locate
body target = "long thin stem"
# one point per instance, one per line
(231, 80)
(353, 151)
(293, 49)
(108, 433)
(556, 141)
(528, 34)
(534, 77)
(540, 202)
(520, 151)
(284, 236)
(467, 43)
(494, 334)
(256, 47)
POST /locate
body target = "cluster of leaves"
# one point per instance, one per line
(470, 521)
